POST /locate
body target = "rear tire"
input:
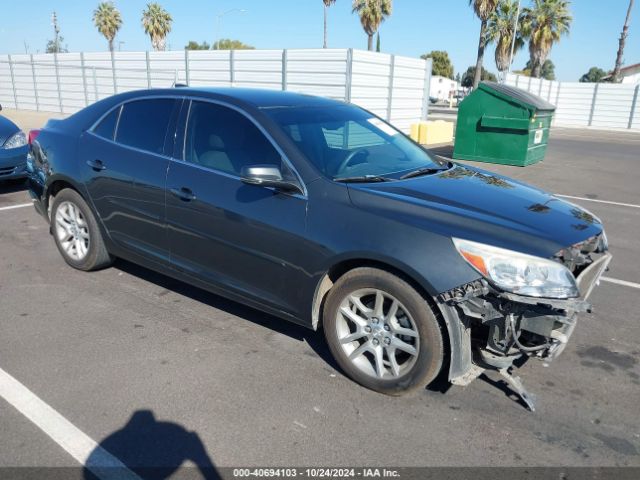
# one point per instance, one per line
(382, 332)
(76, 232)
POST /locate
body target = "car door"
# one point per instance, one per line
(124, 160)
(243, 238)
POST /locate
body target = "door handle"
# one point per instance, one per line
(97, 165)
(183, 193)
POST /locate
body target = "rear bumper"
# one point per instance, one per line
(13, 163)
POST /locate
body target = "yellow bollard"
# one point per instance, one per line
(433, 132)
(415, 132)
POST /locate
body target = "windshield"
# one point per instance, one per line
(348, 142)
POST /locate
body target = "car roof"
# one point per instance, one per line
(258, 98)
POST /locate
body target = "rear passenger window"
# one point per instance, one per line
(143, 124)
(107, 127)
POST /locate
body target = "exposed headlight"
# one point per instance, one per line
(16, 140)
(517, 272)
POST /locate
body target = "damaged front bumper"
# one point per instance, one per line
(493, 329)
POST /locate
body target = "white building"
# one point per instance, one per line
(630, 74)
(442, 88)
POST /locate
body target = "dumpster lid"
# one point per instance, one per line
(519, 95)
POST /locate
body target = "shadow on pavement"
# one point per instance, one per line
(12, 186)
(314, 339)
(151, 449)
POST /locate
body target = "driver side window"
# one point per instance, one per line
(223, 139)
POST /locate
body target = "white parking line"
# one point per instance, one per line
(599, 201)
(80, 446)
(624, 283)
(12, 207)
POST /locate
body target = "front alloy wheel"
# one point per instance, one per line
(377, 334)
(382, 332)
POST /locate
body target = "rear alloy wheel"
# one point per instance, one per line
(382, 332)
(76, 232)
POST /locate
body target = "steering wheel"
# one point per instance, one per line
(350, 157)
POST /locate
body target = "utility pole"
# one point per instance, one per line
(56, 30)
(513, 40)
(219, 22)
(623, 39)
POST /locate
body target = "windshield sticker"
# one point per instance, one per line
(376, 122)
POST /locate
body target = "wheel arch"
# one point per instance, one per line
(451, 327)
(55, 184)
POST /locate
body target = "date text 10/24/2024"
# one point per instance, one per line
(316, 473)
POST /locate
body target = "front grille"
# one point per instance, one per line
(6, 171)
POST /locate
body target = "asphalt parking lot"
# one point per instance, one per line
(140, 363)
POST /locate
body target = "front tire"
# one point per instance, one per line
(76, 232)
(382, 332)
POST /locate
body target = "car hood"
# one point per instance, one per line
(482, 206)
(7, 128)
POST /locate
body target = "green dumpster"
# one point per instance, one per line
(502, 124)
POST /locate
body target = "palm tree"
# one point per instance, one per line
(483, 9)
(372, 13)
(327, 4)
(108, 21)
(623, 40)
(157, 24)
(500, 29)
(546, 21)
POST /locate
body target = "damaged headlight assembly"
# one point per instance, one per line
(519, 273)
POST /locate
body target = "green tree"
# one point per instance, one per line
(548, 70)
(469, 76)
(56, 46)
(228, 44)
(621, 44)
(546, 21)
(441, 63)
(156, 22)
(594, 75)
(500, 29)
(193, 45)
(483, 9)
(372, 13)
(327, 4)
(108, 21)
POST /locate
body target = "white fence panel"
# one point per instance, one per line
(635, 118)
(601, 105)
(258, 69)
(7, 98)
(391, 87)
(47, 81)
(318, 72)
(23, 78)
(209, 68)
(613, 106)
(131, 71)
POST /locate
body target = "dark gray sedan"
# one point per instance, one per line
(323, 214)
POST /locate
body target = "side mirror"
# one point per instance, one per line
(0, 108)
(267, 176)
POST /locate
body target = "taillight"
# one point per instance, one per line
(33, 134)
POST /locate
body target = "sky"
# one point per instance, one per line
(416, 27)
